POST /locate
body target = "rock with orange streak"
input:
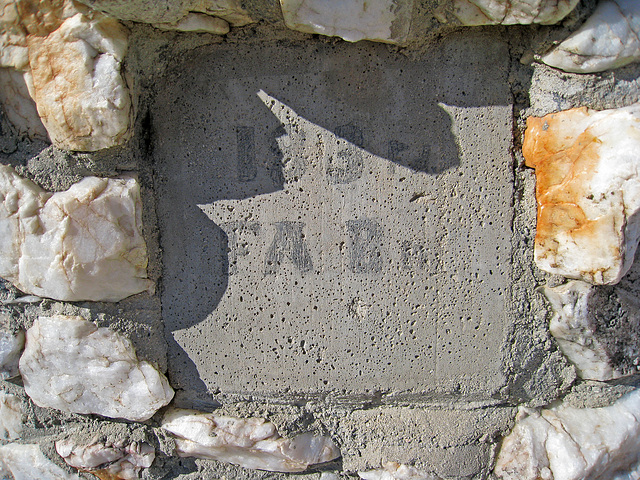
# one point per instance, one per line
(587, 166)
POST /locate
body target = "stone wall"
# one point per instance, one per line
(310, 239)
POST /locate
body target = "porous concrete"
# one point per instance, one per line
(342, 216)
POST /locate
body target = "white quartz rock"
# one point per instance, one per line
(10, 416)
(250, 443)
(79, 89)
(608, 39)
(588, 191)
(72, 365)
(197, 22)
(353, 20)
(566, 443)
(396, 471)
(511, 12)
(595, 330)
(82, 244)
(18, 105)
(27, 462)
(106, 461)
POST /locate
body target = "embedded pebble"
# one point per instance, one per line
(27, 462)
(352, 20)
(588, 191)
(10, 416)
(608, 39)
(250, 443)
(72, 365)
(197, 22)
(107, 461)
(396, 471)
(566, 443)
(82, 244)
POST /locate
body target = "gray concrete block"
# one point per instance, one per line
(336, 219)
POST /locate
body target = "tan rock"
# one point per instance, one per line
(81, 95)
(588, 191)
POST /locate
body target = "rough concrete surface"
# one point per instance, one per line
(341, 214)
(348, 252)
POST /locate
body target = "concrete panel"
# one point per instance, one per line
(335, 218)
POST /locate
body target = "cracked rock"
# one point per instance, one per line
(496, 12)
(106, 461)
(72, 365)
(352, 20)
(250, 443)
(197, 22)
(565, 443)
(588, 191)
(82, 244)
(608, 39)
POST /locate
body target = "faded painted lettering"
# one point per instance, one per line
(366, 246)
(288, 244)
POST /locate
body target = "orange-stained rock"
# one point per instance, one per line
(588, 191)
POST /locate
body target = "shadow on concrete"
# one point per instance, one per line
(214, 139)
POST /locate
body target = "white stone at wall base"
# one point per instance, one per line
(10, 416)
(106, 461)
(608, 39)
(396, 471)
(352, 20)
(565, 443)
(27, 462)
(492, 12)
(82, 244)
(71, 365)
(250, 443)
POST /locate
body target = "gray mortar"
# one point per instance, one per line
(453, 433)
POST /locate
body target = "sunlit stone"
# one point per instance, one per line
(491, 12)
(107, 461)
(565, 443)
(27, 462)
(396, 471)
(250, 443)
(81, 94)
(10, 416)
(353, 20)
(72, 365)
(588, 191)
(82, 244)
(608, 39)
(197, 22)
